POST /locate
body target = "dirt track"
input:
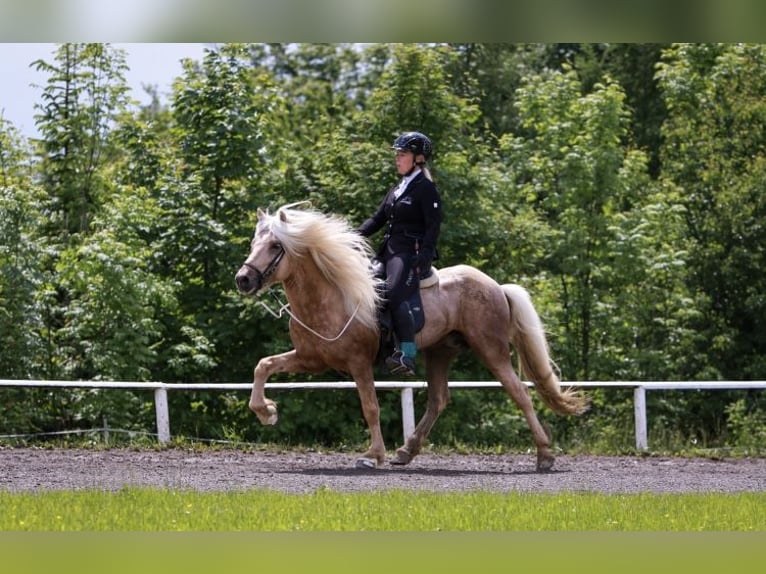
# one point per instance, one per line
(23, 469)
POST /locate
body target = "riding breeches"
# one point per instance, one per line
(401, 283)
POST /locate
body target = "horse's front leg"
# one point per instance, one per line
(264, 408)
(376, 454)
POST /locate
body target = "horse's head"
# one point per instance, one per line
(266, 263)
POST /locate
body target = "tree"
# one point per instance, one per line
(23, 346)
(571, 168)
(633, 67)
(110, 325)
(85, 92)
(21, 249)
(222, 129)
(714, 163)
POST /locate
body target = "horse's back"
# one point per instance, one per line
(466, 277)
(463, 298)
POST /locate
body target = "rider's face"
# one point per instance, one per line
(405, 160)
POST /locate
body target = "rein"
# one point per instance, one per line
(284, 308)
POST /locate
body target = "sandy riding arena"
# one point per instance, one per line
(25, 469)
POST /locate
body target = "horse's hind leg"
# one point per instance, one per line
(496, 356)
(437, 360)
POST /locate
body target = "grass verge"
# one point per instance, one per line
(143, 509)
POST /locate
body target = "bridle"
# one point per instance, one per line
(262, 276)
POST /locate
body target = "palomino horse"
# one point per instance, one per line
(324, 266)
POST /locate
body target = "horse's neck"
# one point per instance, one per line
(309, 293)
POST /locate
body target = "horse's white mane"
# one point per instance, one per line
(340, 253)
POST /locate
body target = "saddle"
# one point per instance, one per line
(388, 343)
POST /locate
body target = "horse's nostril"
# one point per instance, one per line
(242, 281)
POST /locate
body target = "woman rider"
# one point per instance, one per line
(411, 213)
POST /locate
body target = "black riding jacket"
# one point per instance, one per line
(412, 221)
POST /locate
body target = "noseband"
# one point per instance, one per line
(263, 276)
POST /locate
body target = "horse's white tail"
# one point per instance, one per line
(527, 336)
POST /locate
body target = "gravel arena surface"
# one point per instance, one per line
(29, 469)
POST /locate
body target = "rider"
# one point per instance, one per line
(411, 212)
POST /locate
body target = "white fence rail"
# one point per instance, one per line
(407, 389)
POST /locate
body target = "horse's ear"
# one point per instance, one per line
(282, 216)
(261, 214)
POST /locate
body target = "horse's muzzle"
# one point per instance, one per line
(248, 282)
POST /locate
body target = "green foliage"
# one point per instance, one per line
(110, 326)
(85, 92)
(414, 93)
(577, 187)
(20, 253)
(746, 424)
(714, 156)
(218, 111)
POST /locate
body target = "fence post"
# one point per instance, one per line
(408, 412)
(161, 410)
(639, 412)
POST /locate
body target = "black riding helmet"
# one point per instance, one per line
(415, 142)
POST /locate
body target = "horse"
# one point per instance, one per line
(325, 268)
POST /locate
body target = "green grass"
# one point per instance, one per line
(143, 509)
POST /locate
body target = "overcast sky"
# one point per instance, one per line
(150, 64)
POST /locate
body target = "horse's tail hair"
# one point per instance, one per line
(527, 336)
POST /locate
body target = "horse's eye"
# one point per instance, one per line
(276, 246)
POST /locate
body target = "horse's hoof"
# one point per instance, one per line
(366, 463)
(545, 463)
(401, 457)
(267, 414)
(270, 418)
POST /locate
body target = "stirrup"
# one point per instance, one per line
(399, 364)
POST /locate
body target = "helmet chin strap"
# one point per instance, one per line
(415, 165)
